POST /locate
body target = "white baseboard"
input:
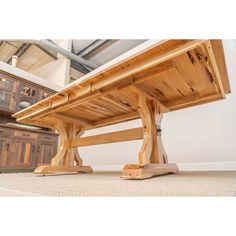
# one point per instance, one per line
(204, 166)
(208, 166)
(108, 168)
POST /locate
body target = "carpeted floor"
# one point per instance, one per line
(110, 184)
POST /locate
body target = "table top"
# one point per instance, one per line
(174, 73)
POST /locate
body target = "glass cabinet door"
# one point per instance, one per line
(6, 87)
(6, 84)
(5, 98)
(27, 96)
(42, 94)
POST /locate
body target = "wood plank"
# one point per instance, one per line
(154, 68)
(43, 170)
(71, 119)
(162, 69)
(149, 94)
(117, 119)
(213, 62)
(118, 104)
(143, 65)
(146, 114)
(132, 171)
(191, 101)
(70, 105)
(123, 74)
(35, 113)
(90, 111)
(218, 49)
(118, 136)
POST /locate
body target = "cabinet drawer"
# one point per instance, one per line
(5, 132)
(48, 138)
(21, 134)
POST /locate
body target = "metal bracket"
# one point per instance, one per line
(158, 130)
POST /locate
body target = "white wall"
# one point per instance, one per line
(202, 134)
(57, 71)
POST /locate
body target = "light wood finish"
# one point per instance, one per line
(146, 116)
(152, 150)
(73, 120)
(152, 155)
(140, 172)
(215, 67)
(159, 149)
(119, 136)
(67, 158)
(117, 119)
(166, 72)
(44, 170)
(144, 91)
(163, 77)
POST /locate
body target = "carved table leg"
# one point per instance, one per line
(67, 159)
(152, 157)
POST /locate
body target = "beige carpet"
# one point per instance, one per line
(109, 184)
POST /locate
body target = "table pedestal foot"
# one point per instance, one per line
(62, 169)
(137, 171)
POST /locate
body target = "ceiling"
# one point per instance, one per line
(32, 55)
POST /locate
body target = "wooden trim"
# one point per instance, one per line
(116, 62)
(146, 113)
(218, 49)
(130, 71)
(67, 159)
(61, 106)
(191, 101)
(118, 136)
(36, 113)
(166, 67)
(117, 119)
(132, 171)
(43, 170)
(117, 104)
(214, 65)
(143, 65)
(148, 94)
(71, 105)
(74, 120)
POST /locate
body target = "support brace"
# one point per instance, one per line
(152, 156)
(67, 159)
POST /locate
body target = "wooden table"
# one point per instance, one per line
(152, 79)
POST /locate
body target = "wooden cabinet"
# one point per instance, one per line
(27, 96)
(21, 148)
(46, 148)
(4, 151)
(5, 142)
(45, 151)
(17, 94)
(25, 149)
(22, 154)
(6, 93)
(42, 94)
